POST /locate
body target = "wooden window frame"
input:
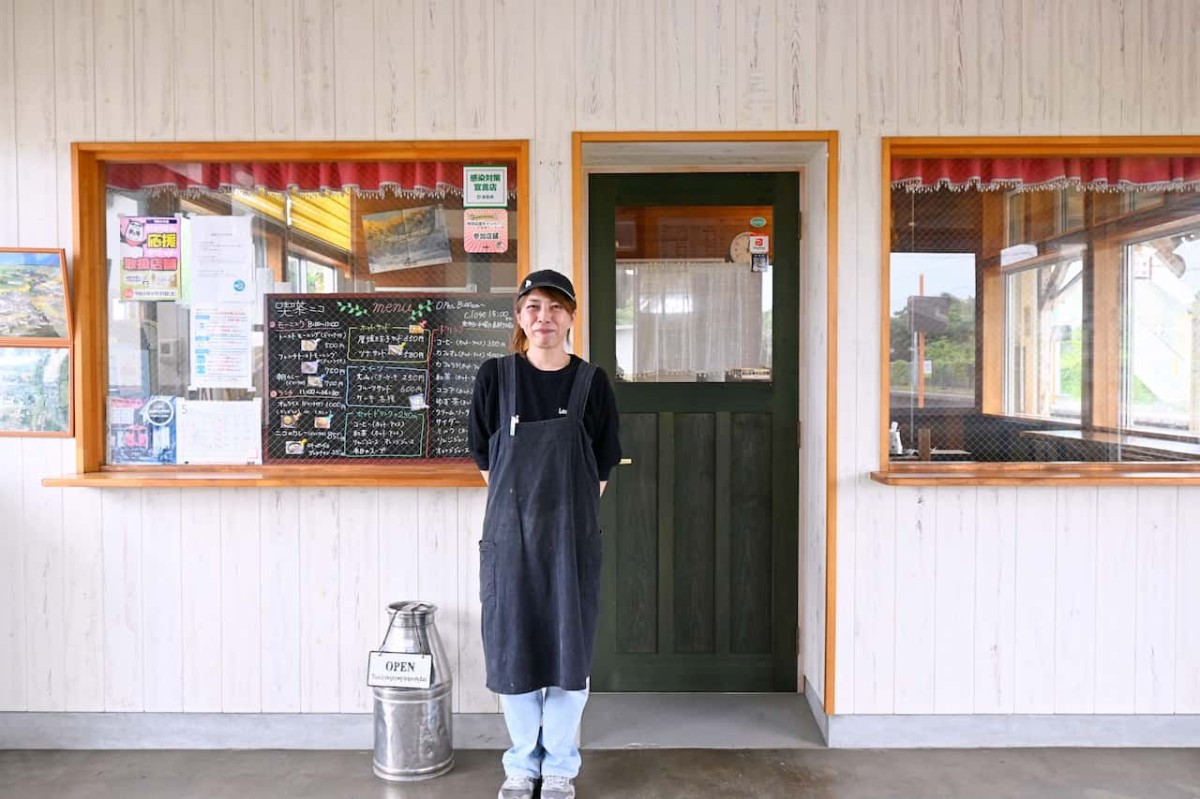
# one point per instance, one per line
(991, 323)
(89, 162)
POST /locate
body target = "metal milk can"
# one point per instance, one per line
(413, 725)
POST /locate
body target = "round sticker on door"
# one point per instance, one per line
(757, 221)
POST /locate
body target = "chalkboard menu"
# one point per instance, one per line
(357, 378)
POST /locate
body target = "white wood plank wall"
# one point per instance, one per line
(954, 600)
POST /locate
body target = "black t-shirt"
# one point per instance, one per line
(541, 396)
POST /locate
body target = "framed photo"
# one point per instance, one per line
(35, 343)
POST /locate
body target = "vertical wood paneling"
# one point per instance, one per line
(1187, 600)
(475, 55)
(115, 78)
(74, 72)
(200, 553)
(316, 99)
(595, 65)
(1081, 67)
(274, 74)
(837, 68)
(1162, 66)
(9, 220)
(636, 97)
(1120, 54)
(1041, 56)
(358, 592)
(555, 93)
(954, 595)
(123, 596)
(395, 65)
(995, 552)
(999, 55)
(83, 590)
(236, 56)
(1189, 98)
(279, 521)
(919, 73)
(877, 71)
(194, 90)
(162, 601)
(716, 67)
(470, 681)
(756, 64)
(399, 542)
(354, 69)
(916, 553)
(959, 66)
(796, 67)
(434, 69)
(1157, 531)
(154, 67)
(320, 654)
(44, 555)
(1075, 602)
(515, 65)
(875, 604)
(1116, 599)
(1033, 641)
(674, 66)
(13, 668)
(37, 171)
(437, 580)
(241, 611)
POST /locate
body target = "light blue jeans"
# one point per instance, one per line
(544, 726)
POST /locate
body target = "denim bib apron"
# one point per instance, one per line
(539, 559)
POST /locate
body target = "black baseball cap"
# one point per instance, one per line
(546, 279)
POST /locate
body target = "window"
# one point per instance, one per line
(1043, 302)
(179, 256)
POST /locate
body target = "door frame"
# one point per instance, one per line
(830, 139)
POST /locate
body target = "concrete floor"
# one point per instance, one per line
(630, 774)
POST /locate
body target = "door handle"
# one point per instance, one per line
(625, 462)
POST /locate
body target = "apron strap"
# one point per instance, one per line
(580, 390)
(507, 373)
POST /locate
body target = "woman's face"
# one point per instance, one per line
(545, 320)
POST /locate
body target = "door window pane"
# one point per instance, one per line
(693, 299)
(1043, 358)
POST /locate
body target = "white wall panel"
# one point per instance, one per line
(83, 590)
(756, 71)
(877, 70)
(279, 522)
(916, 552)
(395, 65)
(958, 22)
(795, 61)
(354, 69)
(515, 69)
(433, 73)
(552, 245)
(1157, 530)
(440, 565)
(42, 519)
(1120, 54)
(235, 57)
(8, 123)
(998, 25)
(716, 67)
(200, 549)
(919, 75)
(320, 653)
(1116, 599)
(274, 73)
(162, 601)
(838, 52)
(595, 65)
(1041, 81)
(316, 97)
(1075, 602)
(1081, 69)
(240, 609)
(995, 563)
(358, 585)
(674, 48)
(115, 77)
(636, 96)
(954, 601)
(154, 67)
(194, 91)
(1187, 600)
(472, 695)
(13, 670)
(1034, 581)
(1162, 55)
(123, 596)
(475, 56)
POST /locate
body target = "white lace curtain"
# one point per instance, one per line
(690, 320)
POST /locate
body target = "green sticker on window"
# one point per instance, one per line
(757, 221)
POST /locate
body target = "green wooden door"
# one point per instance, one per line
(700, 579)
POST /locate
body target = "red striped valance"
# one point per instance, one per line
(1125, 173)
(364, 177)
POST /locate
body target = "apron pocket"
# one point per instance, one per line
(487, 571)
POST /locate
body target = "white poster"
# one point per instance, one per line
(221, 259)
(218, 432)
(221, 346)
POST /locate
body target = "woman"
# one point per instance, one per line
(543, 430)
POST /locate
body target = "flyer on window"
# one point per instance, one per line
(221, 346)
(150, 267)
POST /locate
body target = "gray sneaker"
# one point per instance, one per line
(516, 788)
(557, 788)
